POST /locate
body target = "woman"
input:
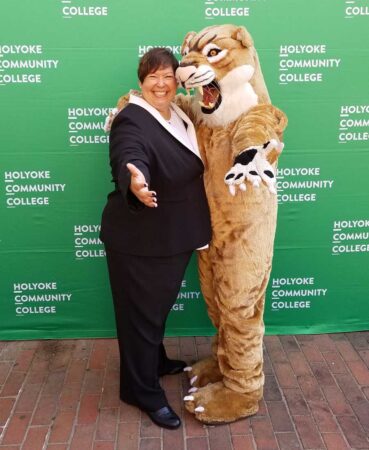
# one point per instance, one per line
(154, 219)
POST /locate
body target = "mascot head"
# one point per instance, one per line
(222, 63)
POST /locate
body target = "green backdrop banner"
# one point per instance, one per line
(64, 63)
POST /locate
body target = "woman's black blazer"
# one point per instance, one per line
(181, 222)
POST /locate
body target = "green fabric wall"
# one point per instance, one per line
(63, 64)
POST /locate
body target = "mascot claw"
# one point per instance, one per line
(191, 398)
(187, 369)
(193, 379)
(232, 189)
(276, 145)
(252, 165)
(193, 389)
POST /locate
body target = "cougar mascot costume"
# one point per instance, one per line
(239, 135)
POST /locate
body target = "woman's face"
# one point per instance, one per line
(159, 88)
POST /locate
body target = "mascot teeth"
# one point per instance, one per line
(208, 106)
(210, 96)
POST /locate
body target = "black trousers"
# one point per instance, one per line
(144, 289)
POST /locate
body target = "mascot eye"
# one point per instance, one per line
(213, 52)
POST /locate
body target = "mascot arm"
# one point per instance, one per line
(121, 103)
(256, 145)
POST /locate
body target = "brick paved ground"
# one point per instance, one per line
(60, 395)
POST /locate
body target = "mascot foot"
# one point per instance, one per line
(203, 372)
(216, 404)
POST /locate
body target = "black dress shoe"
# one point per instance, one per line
(165, 417)
(172, 367)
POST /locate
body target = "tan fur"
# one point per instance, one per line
(122, 101)
(235, 270)
(206, 371)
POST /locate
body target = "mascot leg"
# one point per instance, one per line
(241, 274)
(206, 370)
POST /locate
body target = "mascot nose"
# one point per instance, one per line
(184, 73)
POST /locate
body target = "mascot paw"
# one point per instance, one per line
(252, 165)
(203, 372)
(217, 404)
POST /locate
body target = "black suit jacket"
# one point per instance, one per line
(181, 222)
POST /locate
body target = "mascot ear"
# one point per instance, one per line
(186, 42)
(242, 35)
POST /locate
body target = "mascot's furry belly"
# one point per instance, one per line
(239, 136)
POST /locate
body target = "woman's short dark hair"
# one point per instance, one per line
(154, 59)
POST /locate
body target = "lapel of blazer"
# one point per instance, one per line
(154, 112)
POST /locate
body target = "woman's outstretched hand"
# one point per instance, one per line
(140, 188)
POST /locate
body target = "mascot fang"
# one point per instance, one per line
(239, 135)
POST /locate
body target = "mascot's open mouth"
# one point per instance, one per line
(211, 97)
